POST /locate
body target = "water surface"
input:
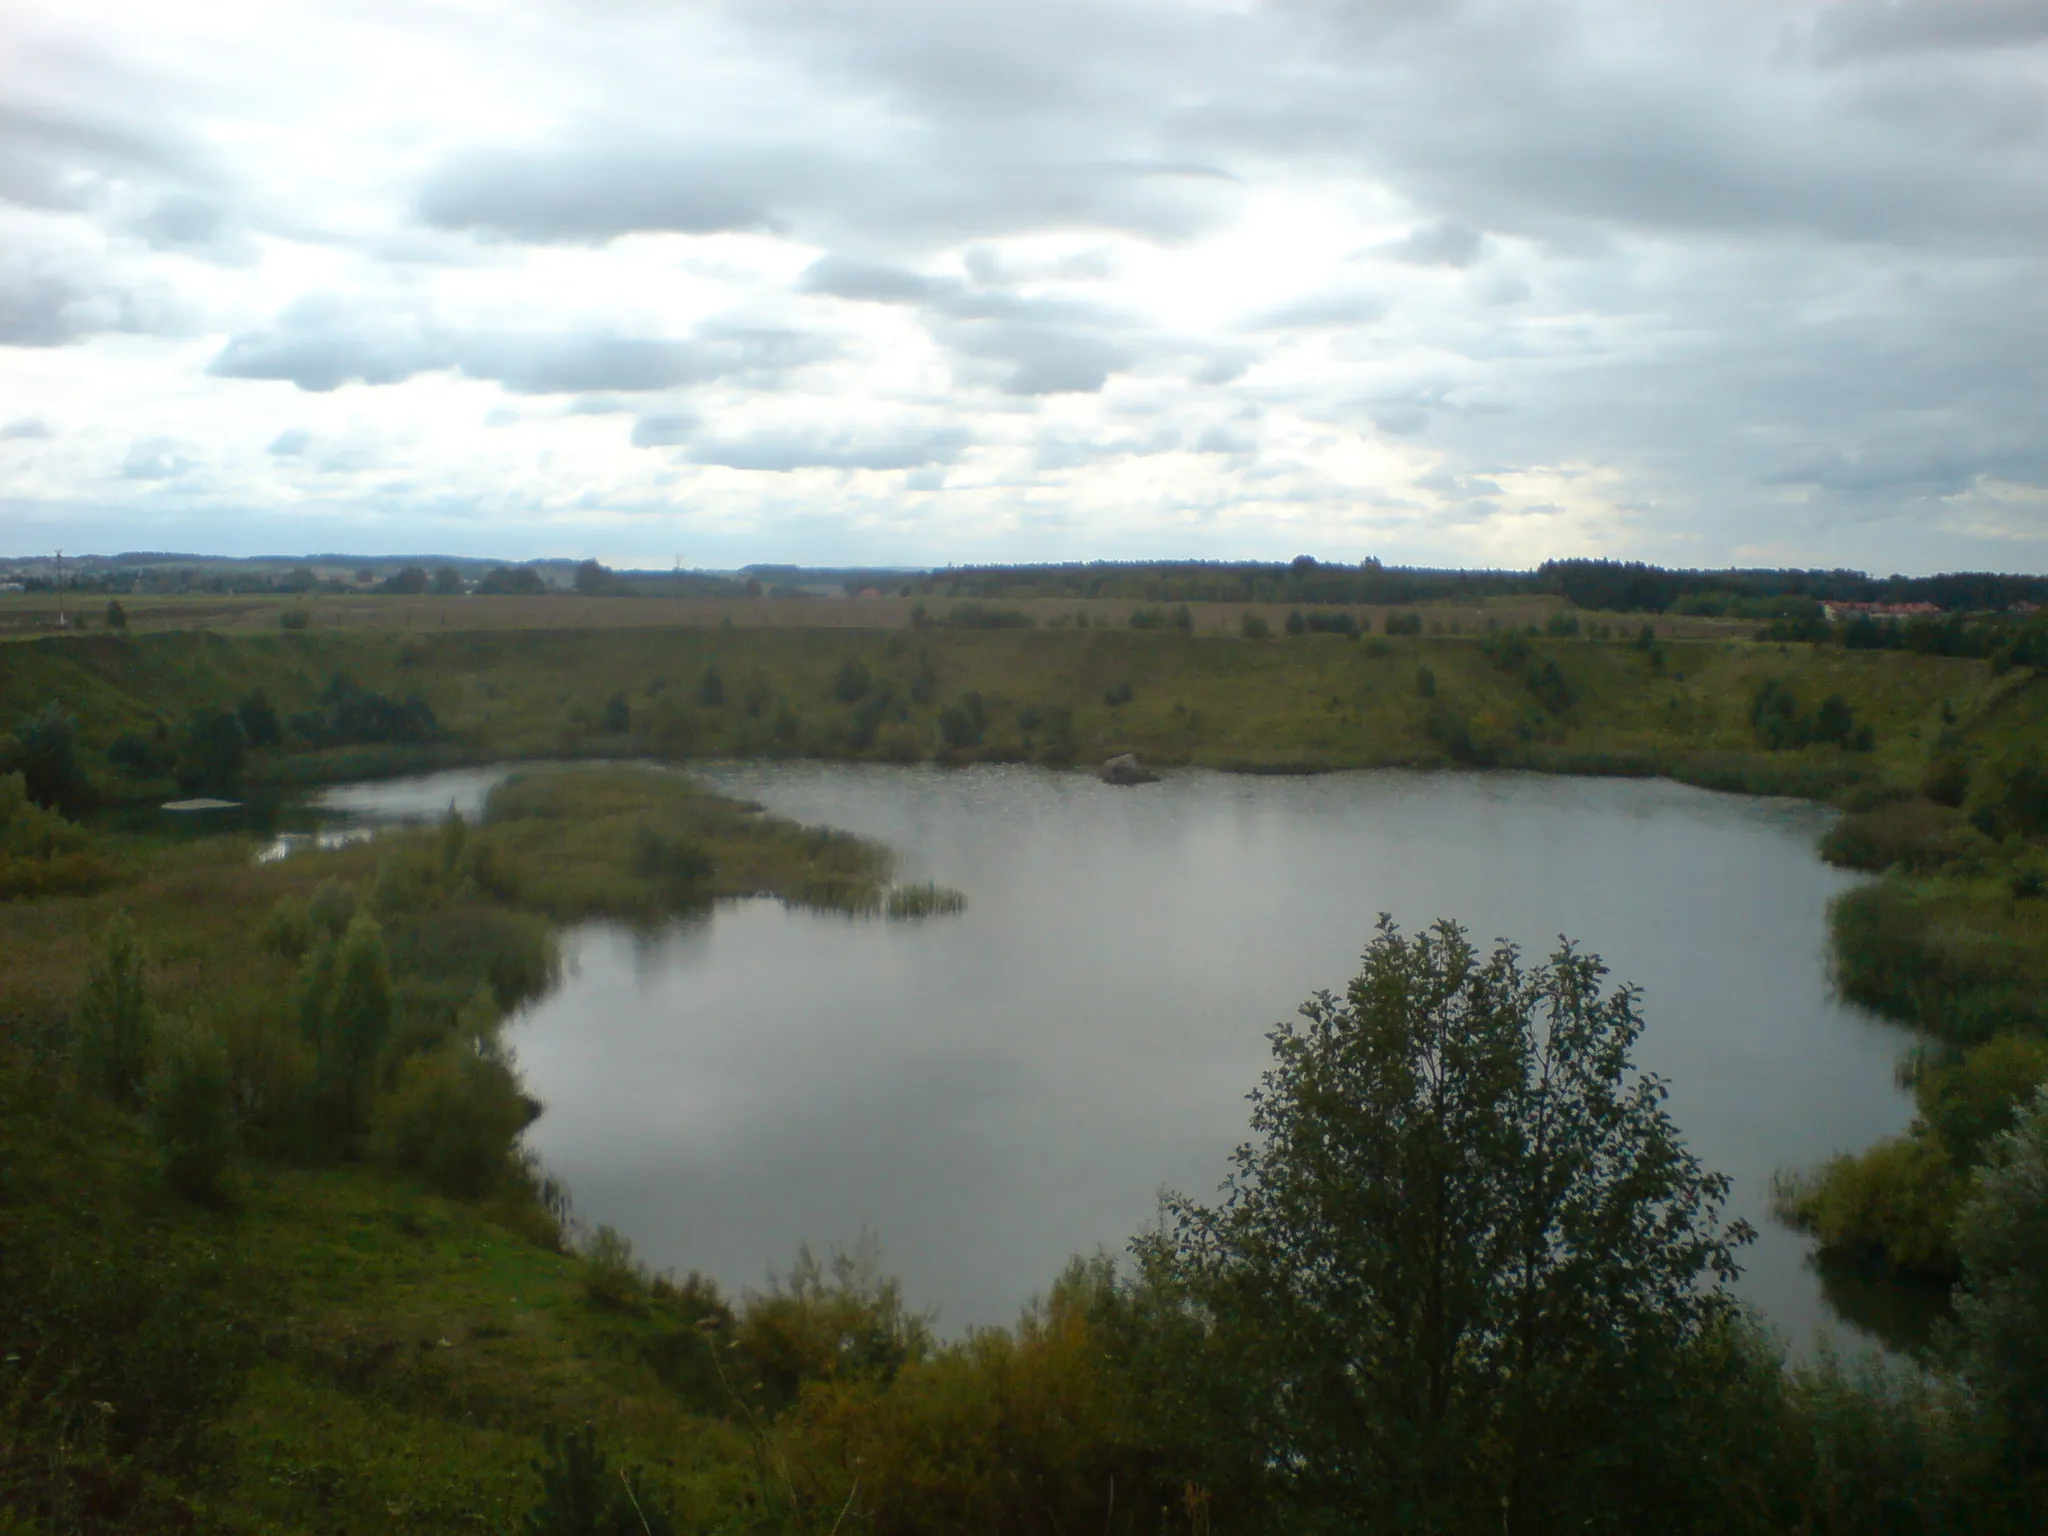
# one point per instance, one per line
(992, 1092)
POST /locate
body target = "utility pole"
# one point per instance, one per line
(60, 589)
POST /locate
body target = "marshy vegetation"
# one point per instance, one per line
(274, 1259)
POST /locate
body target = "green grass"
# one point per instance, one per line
(1301, 704)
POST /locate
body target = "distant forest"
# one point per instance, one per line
(1610, 585)
(1627, 587)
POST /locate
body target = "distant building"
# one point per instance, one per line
(12, 586)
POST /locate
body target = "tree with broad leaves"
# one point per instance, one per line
(1467, 1267)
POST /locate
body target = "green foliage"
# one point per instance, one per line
(408, 582)
(853, 681)
(1464, 1254)
(617, 718)
(978, 616)
(42, 854)
(114, 1030)
(964, 724)
(511, 581)
(1296, 624)
(2015, 801)
(258, 719)
(1149, 618)
(839, 1318)
(453, 1116)
(447, 581)
(924, 900)
(1254, 627)
(44, 751)
(1118, 694)
(1425, 683)
(711, 690)
(1915, 835)
(1562, 625)
(1893, 1202)
(581, 1495)
(612, 1277)
(211, 750)
(117, 616)
(191, 1113)
(672, 860)
(2002, 1239)
(293, 618)
(1548, 683)
(1506, 649)
(1403, 624)
(137, 756)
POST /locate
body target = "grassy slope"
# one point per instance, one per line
(405, 1350)
(1316, 701)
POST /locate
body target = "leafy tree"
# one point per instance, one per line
(1425, 683)
(1253, 627)
(114, 1028)
(345, 1010)
(410, 582)
(44, 752)
(447, 581)
(1463, 1260)
(144, 757)
(2002, 1238)
(211, 748)
(711, 689)
(507, 580)
(258, 719)
(117, 616)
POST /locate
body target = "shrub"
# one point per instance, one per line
(1118, 694)
(853, 681)
(976, 616)
(1425, 683)
(1253, 627)
(840, 1319)
(1947, 781)
(211, 749)
(258, 720)
(294, 618)
(964, 724)
(711, 689)
(618, 714)
(612, 1277)
(191, 1113)
(1507, 649)
(1296, 624)
(1894, 1201)
(44, 751)
(1403, 624)
(136, 756)
(674, 860)
(582, 1495)
(924, 900)
(1915, 835)
(117, 616)
(453, 1118)
(1149, 618)
(114, 1028)
(1562, 625)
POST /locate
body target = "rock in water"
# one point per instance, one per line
(1125, 768)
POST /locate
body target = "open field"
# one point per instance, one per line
(36, 614)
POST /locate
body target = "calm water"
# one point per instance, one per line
(993, 1092)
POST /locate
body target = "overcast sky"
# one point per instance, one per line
(916, 281)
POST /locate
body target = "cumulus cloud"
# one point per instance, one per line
(23, 428)
(323, 342)
(154, 458)
(784, 451)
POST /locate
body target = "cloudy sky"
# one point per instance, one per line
(911, 281)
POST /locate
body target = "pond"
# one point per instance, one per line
(990, 1093)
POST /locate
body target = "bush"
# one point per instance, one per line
(673, 860)
(1947, 781)
(44, 751)
(853, 682)
(1149, 618)
(1118, 694)
(840, 1319)
(117, 616)
(294, 618)
(711, 689)
(1893, 1202)
(191, 1114)
(1915, 835)
(1403, 624)
(453, 1118)
(612, 1277)
(1425, 683)
(211, 749)
(618, 714)
(114, 1030)
(582, 1495)
(1253, 627)
(136, 756)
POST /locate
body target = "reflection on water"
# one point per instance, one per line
(993, 1092)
